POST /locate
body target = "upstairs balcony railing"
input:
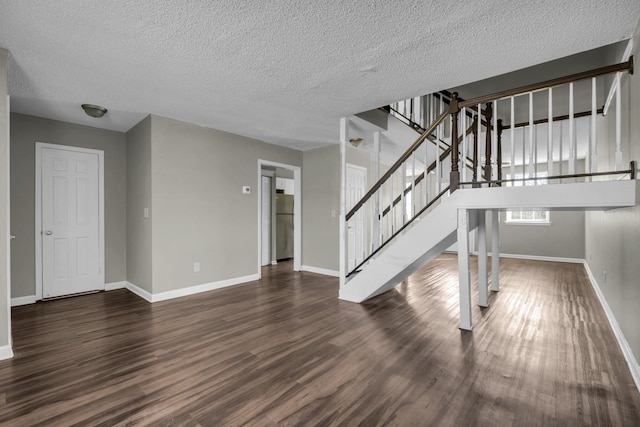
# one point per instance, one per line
(549, 127)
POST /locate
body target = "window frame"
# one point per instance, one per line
(541, 178)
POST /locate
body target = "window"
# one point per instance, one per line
(528, 217)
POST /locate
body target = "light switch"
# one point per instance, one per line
(146, 212)
(333, 213)
(246, 189)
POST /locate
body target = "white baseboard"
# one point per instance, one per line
(319, 270)
(139, 291)
(115, 285)
(539, 258)
(18, 301)
(274, 262)
(6, 352)
(163, 296)
(622, 341)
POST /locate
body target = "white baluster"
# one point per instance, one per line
(513, 139)
(464, 144)
(480, 150)
(550, 135)
(593, 164)
(494, 142)
(572, 135)
(618, 124)
(531, 172)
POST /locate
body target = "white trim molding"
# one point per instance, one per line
(115, 285)
(543, 258)
(319, 270)
(182, 292)
(632, 362)
(18, 301)
(6, 352)
(145, 295)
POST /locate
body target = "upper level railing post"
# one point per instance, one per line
(454, 177)
(499, 148)
(488, 114)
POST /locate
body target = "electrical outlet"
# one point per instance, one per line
(333, 213)
(246, 189)
(196, 267)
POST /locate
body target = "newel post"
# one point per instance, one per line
(454, 177)
(488, 114)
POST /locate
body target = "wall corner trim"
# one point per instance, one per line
(622, 341)
(18, 301)
(139, 291)
(319, 270)
(6, 352)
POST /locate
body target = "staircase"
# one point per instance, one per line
(414, 214)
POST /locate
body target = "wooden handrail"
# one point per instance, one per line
(397, 164)
(555, 119)
(431, 167)
(443, 192)
(623, 66)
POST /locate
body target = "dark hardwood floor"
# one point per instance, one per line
(285, 351)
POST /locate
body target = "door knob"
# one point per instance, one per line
(48, 232)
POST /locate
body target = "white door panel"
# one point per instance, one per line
(70, 222)
(356, 185)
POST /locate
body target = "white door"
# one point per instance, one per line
(266, 220)
(70, 222)
(356, 185)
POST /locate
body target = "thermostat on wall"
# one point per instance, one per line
(246, 189)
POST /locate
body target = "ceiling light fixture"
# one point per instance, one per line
(356, 142)
(94, 110)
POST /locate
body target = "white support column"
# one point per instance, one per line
(483, 293)
(495, 250)
(464, 276)
(344, 138)
(463, 156)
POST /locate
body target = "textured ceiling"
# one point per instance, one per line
(279, 71)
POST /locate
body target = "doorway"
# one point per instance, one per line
(266, 167)
(69, 229)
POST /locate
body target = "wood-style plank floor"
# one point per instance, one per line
(284, 351)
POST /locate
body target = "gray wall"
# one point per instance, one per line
(25, 132)
(321, 195)
(613, 237)
(139, 229)
(5, 332)
(199, 213)
(564, 238)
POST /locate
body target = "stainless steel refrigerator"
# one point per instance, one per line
(284, 226)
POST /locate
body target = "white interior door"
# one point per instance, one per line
(356, 185)
(266, 220)
(70, 222)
